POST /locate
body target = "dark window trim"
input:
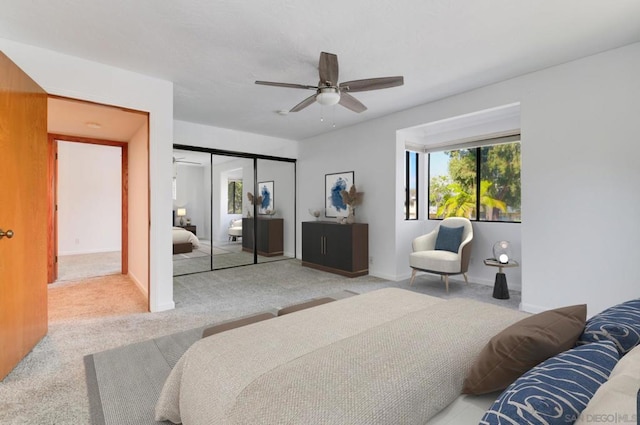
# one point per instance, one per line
(407, 182)
(233, 194)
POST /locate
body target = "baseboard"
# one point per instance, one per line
(383, 275)
(530, 308)
(140, 286)
(164, 307)
(459, 277)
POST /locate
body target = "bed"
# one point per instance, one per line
(384, 357)
(393, 356)
(184, 241)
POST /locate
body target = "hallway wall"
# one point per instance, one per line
(89, 198)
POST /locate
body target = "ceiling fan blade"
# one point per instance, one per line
(289, 85)
(328, 68)
(308, 101)
(372, 84)
(351, 102)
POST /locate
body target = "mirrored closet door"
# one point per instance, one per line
(276, 218)
(191, 231)
(232, 179)
(231, 210)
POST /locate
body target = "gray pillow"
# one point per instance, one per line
(449, 238)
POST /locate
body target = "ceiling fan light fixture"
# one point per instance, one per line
(328, 96)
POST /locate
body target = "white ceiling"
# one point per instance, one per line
(213, 51)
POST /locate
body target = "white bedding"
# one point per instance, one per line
(389, 356)
(181, 235)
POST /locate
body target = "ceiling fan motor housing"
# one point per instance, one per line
(328, 96)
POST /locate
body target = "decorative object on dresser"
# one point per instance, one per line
(335, 248)
(334, 184)
(351, 198)
(266, 203)
(315, 213)
(254, 199)
(270, 240)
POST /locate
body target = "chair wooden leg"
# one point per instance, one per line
(465, 278)
(413, 277)
(446, 282)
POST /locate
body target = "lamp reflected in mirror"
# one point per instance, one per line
(181, 212)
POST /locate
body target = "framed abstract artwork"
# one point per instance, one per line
(267, 205)
(334, 184)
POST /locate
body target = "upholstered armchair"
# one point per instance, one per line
(235, 229)
(445, 251)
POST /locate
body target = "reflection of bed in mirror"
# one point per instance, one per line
(184, 241)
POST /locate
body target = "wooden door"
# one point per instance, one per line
(23, 210)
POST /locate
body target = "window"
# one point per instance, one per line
(234, 197)
(480, 183)
(411, 186)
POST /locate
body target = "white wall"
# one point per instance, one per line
(580, 180)
(77, 78)
(138, 217)
(191, 134)
(579, 144)
(89, 198)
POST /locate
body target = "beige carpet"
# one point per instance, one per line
(48, 386)
(82, 266)
(113, 295)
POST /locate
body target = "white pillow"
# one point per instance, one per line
(615, 401)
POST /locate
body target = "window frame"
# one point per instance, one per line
(232, 197)
(478, 146)
(407, 183)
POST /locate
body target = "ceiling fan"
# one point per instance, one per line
(330, 92)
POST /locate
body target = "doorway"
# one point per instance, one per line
(119, 138)
(90, 189)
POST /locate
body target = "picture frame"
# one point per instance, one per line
(267, 205)
(334, 184)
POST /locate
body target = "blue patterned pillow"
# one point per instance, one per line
(557, 390)
(449, 238)
(620, 324)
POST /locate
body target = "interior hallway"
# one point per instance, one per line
(114, 295)
(82, 266)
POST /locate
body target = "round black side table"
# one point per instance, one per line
(500, 288)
